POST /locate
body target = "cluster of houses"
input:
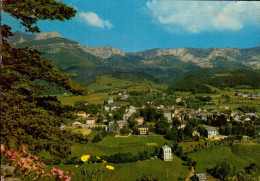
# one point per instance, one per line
(113, 126)
(183, 113)
(90, 121)
(248, 95)
(116, 126)
(89, 118)
(169, 112)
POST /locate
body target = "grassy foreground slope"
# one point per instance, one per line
(134, 170)
(159, 168)
(239, 156)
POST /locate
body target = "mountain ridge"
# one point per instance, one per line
(199, 56)
(87, 62)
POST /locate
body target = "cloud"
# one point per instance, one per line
(199, 16)
(93, 19)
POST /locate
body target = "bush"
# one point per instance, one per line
(120, 158)
(221, 171)
(147, 177)
(129, 157)
(73, 160)
(97, 138)
(247, 109)
(125, 131)
(52, 161)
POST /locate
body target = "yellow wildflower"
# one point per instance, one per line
(109, 167)
(104, 161)
(85, 158)
(76, 166)
(98, 157)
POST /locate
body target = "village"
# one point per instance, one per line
(89, 121)
(211, 124)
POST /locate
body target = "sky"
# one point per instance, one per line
(136, 25)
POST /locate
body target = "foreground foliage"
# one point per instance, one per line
(30, 167)
(27, 117)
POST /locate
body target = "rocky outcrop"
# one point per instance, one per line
(42, 36)
(20, 37)
(104, 51)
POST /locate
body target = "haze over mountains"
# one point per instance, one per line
(88, 62)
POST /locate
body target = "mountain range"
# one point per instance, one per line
(86, 62)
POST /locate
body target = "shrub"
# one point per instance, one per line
(52, 161)
(97, 138)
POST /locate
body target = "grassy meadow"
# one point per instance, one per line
(235, 101)
(108, 83)
(157, 167)
(112, 145)
(92, 99)
(238, 156)
(134, 170)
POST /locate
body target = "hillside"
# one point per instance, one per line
(163, 65)
(198, 81)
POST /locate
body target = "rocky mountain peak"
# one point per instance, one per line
(103, 51)
(41, 36)
(20, 37)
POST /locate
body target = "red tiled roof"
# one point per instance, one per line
(90, 118)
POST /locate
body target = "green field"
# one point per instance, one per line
(239, 156)
(92, 99)
(111, 141)
(233, 99)
(111, 145)
(134, 170)
(190, 145)
(131, 171)
(108, 83)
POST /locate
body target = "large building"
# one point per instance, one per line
(168, 114)
(90, 120)
(166, 153)
(212, 132)
(143, 129)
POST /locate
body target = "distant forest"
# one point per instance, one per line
(198, 81)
